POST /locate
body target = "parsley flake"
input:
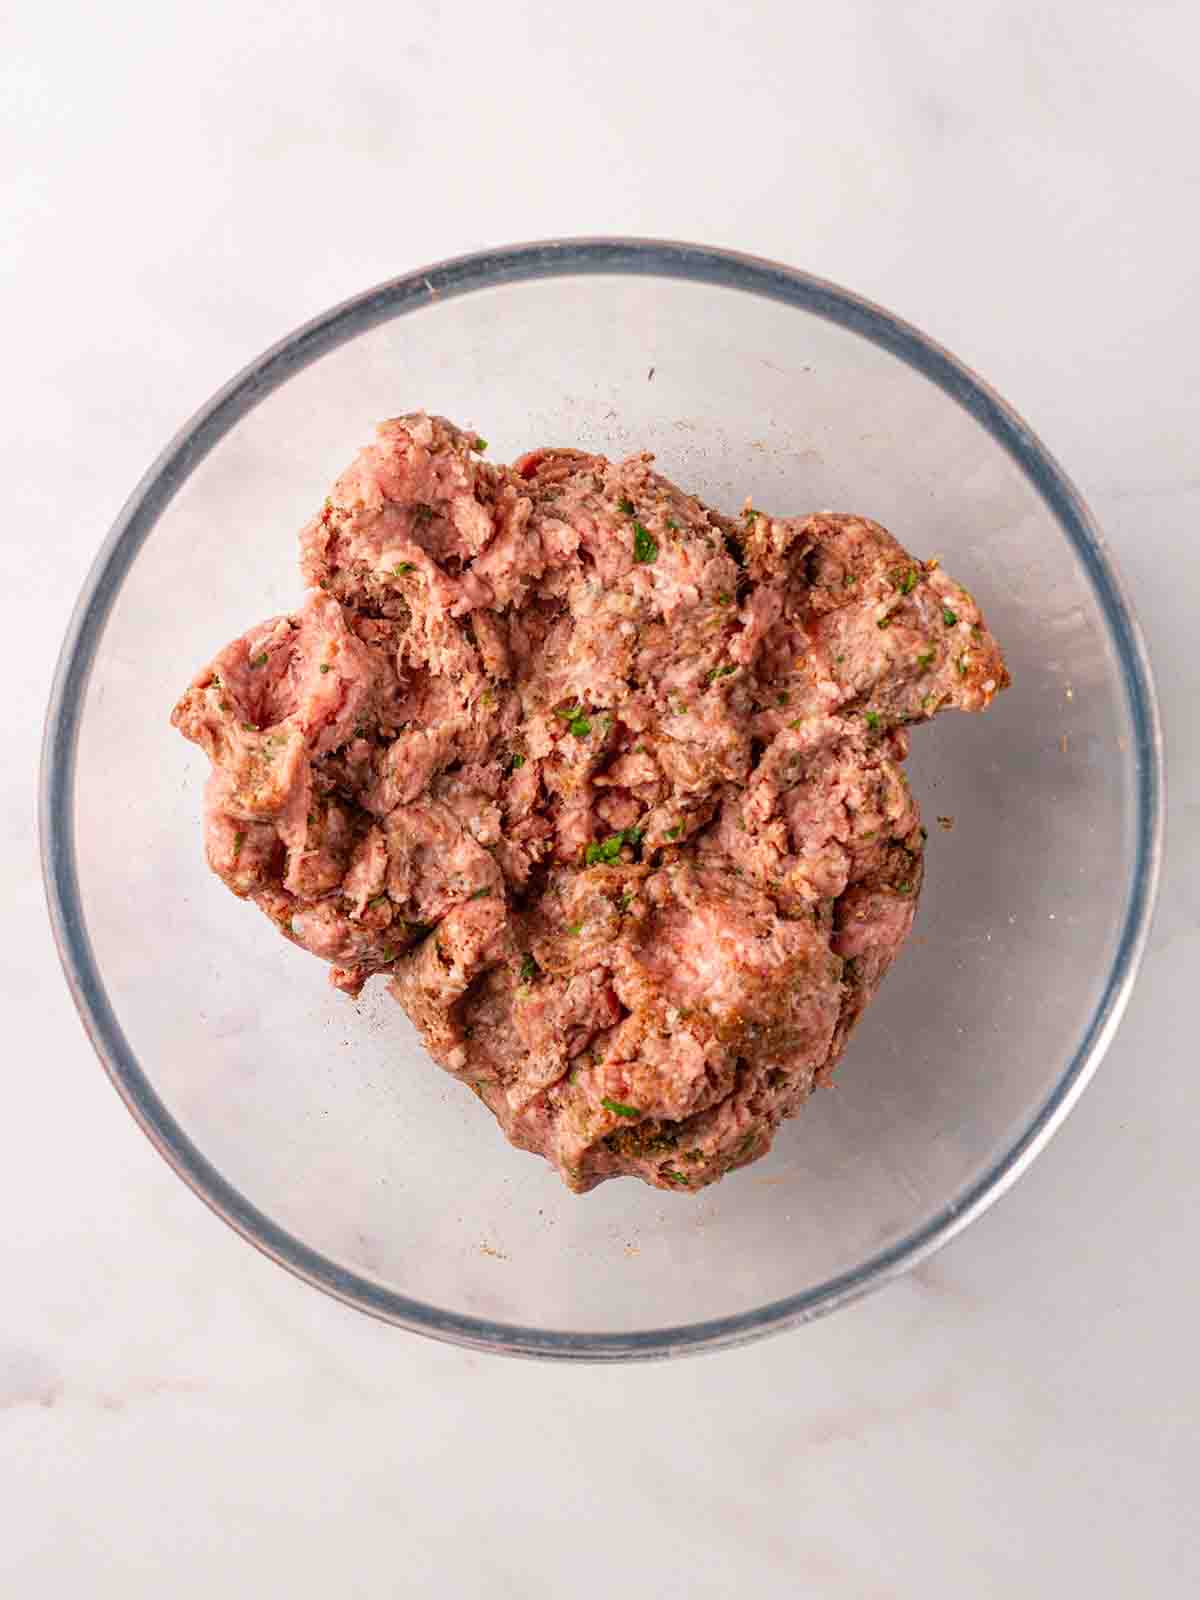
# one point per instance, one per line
(948, 616)
(608, 850)
(644, 547)
(260, 660)
(619, 1109)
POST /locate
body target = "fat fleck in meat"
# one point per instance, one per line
(608, 784)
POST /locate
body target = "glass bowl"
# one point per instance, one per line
(316, 1126)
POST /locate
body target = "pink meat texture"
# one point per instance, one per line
(608, 784)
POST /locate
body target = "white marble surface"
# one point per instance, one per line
(183, 184)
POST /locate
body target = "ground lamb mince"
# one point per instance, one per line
(608, 784)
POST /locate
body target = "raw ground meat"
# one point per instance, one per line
(607, 783)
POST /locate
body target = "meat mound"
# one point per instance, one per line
(609, 784)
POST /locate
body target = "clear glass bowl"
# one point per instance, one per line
(317, 1127)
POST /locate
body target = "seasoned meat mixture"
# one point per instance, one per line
(608, 784)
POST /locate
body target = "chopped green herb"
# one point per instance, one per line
(529, 969)
(619, 1109)
(904, 888)
(481, 894)
(782, 699)
(675, 1177)
(575, 720)
(574, 929)
(746, 1145)
(883, 622)
(422, 513)
(515, 762)
(948, 616)
(872, 718)
(962, 664)
(751, 514)
(673, 833)
(627, 506)
(402, 568)
(672, 524)
(849, 581)
(480, 443)
(644, 547)
(924, 661)
(626, 899)
(724, 598)
(609, 849)
(260, 660)
(380, 899)
(906, 582)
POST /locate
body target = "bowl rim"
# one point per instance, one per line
(461, 275)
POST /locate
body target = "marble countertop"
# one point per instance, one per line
(182, 186)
